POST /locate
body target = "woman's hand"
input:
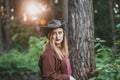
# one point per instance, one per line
(72, 78)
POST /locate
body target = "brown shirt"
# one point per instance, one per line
(52, 68)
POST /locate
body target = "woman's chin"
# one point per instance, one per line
(57, 42)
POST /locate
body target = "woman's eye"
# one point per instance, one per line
(60, 32)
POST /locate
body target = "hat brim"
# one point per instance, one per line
(57, 26)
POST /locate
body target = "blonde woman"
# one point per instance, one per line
(54, 63)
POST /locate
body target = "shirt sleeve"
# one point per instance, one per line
(48, 68)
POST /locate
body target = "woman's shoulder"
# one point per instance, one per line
(48, 51)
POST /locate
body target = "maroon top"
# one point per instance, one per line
(52, 68)
(68, 66)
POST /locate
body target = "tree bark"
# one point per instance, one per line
(65, 10)
(65, 14)
(52, 9)
(7, 27)
(112, 21)
(81, 38)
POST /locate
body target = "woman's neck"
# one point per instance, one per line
(59, 45)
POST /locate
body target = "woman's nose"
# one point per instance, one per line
(57, 36)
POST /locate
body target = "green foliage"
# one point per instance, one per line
(35, 44)
(108, 64)
(35, 50)
(117, 38)
(20, 34)
(18, 62)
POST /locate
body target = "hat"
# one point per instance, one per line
(52, 25)
(55, 24)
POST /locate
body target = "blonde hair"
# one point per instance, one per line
(63, 52)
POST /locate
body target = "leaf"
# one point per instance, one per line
(97, 39)
(99, 50)
(97, 45)
(102, 41)
(118, 25)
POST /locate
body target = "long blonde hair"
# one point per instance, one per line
(63, 52)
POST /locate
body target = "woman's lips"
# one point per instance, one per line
(57, 39)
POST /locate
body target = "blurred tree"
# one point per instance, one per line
(112, 21)
(1, 46)
(65, 13)
(7, 26)
(102, 21)
(81, 38)
(52, 10)
(1, 42)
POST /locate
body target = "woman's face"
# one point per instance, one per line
(58, 35)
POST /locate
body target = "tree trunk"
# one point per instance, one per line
(7, 27)
(65, 14)
(112, 21)
(65, 10)
(81, 38)
(1, 46)
(52, 9)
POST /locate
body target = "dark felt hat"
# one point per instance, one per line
(52, 25)
(55, 24)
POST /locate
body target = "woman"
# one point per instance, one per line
(54, 62)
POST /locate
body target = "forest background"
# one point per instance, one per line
(21, 40)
